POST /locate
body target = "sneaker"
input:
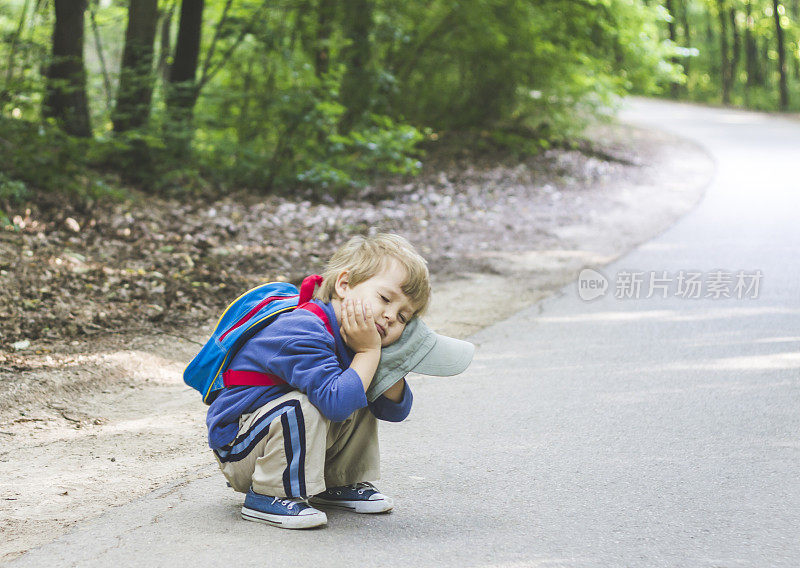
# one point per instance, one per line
(360, 497)
(285, 513)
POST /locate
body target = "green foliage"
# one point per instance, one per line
(42, 157)
(349, 161)
(270, 120)
(519, 144)
(24, 46)
(751, 51)
(554, 64)
(328, 95)
(284, 128)
(12, 190)
(137, 155)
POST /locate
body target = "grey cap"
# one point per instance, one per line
(421, 350)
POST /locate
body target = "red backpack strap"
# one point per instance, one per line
(304, 302)
(314, 308)
(307, 288)
(250, 379)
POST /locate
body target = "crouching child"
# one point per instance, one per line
(310, 438)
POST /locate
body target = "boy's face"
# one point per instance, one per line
(391, 308)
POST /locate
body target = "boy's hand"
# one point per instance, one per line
(358, 327)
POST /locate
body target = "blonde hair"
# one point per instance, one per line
(364, 257)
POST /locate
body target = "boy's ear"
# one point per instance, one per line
(342, 283)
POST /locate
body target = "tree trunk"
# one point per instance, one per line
(65, 98)
(687, 36)
(724, 56)
(244, 128)
(182, 89)
(165, 44)
(796, 55)
(136, 72)
(98, 45)
(357, 84)
(750, 48)
(673, 37)
(736, 46)
(325, 15)
(713, 62)
(766, 77)
(782, 68)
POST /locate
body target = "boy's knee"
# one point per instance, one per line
(312, 416)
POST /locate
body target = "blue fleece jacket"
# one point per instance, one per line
(298, 348)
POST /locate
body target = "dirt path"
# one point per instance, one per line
(108, 422)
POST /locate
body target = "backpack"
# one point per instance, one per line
(251, 312)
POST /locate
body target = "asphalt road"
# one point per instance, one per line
(623, 431)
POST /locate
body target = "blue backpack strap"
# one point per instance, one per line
(248, 316)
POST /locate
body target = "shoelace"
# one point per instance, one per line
(289, 503)
(362, 486)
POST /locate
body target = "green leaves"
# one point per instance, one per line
(349, 161)
(327, 95)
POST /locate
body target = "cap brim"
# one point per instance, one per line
(423, 351)
(449, 356)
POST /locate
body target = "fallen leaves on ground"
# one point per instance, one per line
(152, 263)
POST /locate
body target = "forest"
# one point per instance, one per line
(155, 154)
(320, 95)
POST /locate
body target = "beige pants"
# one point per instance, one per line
(287, 448)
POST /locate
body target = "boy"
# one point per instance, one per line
(314, 433)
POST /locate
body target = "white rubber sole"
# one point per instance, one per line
(285, 521)
(381, 506)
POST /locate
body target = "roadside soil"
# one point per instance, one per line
(92, 419)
